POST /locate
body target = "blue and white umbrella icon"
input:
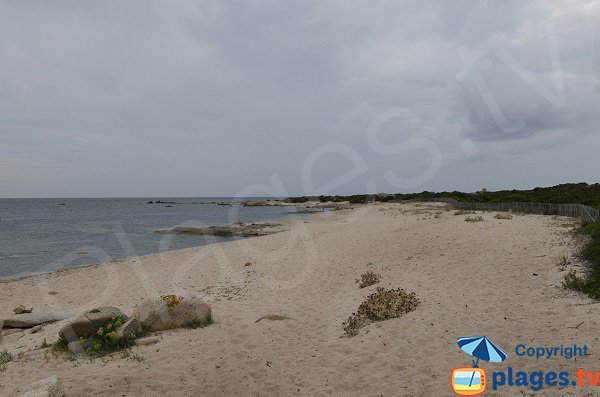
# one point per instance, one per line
(481, 348)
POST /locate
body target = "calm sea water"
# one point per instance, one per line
(41, 235)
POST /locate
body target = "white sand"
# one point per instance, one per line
(472, 279)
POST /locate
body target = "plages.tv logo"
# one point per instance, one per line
(472, 381)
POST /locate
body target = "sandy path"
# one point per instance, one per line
(472, 279)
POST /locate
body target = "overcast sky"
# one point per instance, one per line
(223, 98)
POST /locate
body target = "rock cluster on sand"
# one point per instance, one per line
(86, 325)
(171, 311)
(49, 387)
(160, 313)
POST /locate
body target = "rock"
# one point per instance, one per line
(78, 348)
(11, 331)
(170, 311)
(28, 320)
(248, 264)
(234, 230)
(36, 329)
(49, 387)
(22, 309)
(87, 324)
(132, 328)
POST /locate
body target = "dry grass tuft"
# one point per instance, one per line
(564, 263)
(463, 212)
(5, 358)
(503, 215)
(368, 278)
(472, 219)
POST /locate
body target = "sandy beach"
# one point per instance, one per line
(498, 278)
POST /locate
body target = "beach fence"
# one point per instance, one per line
(586, 213)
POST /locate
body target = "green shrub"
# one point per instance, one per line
(590, 283)
(60, 346)
(380, 305)
(106, 340)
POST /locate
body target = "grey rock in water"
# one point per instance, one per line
(234, 230)
(170, 311)
(29, 320)
(87, 324)
(49, 387)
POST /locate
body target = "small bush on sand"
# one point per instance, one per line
(563, 263)
(463, 212)
(368, 278)
(472, 219)
(589, 283)
(573, 281)
(381, 305)
(129, 355)
(60, 346)
(5, 358)
(503, 215)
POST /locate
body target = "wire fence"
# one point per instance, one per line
(586, 213)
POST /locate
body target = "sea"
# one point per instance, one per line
(43, 235)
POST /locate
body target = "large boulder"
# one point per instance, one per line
(87, 324)
(29, 320)
(49, 387)
(171, 311)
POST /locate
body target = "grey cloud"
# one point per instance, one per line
(204, 98)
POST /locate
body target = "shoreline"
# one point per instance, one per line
(33, 263)
(302, 283)
(285, 223)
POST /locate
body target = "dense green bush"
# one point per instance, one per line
(569, 193)
(106, 340)
(589, 283)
